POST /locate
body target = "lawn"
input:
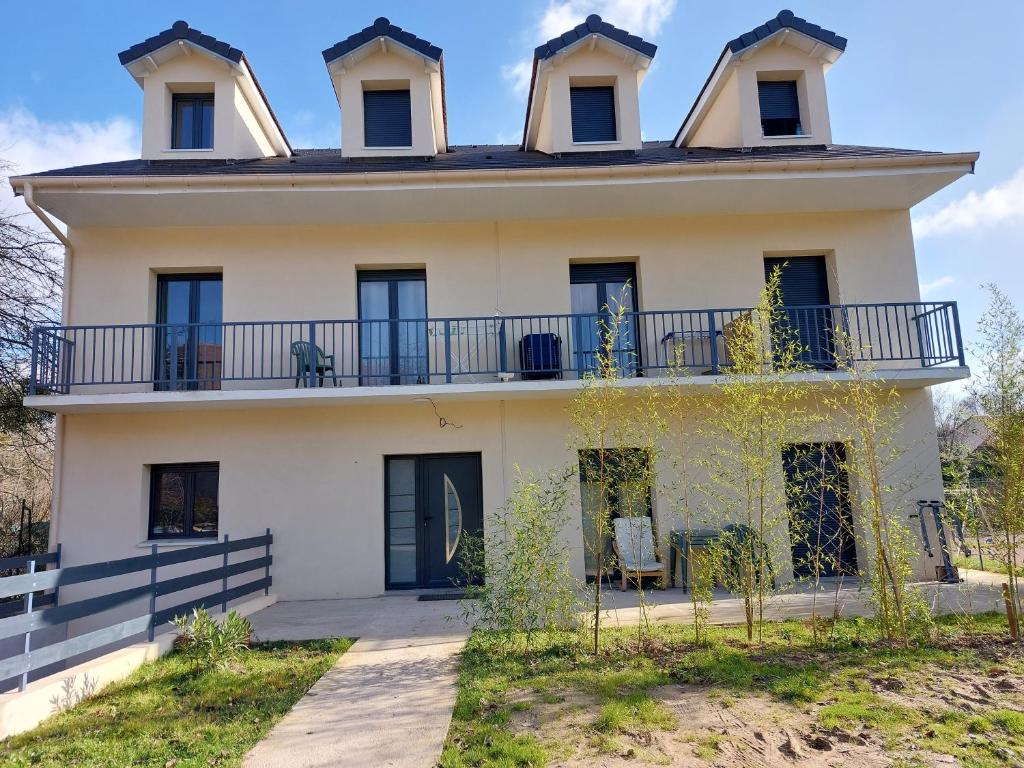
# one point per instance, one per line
(955, 700)
(168, 715)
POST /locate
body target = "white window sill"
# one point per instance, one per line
(196, 542)
(789, 136)
(593, 143)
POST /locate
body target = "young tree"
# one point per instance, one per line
(616, 434)
(757, 405)
(999, 392)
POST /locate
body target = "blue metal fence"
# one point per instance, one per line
(39, 611)
(435, 351)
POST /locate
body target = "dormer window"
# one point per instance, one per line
(192, 121)
(387, 118)
(780, 108)
(593, 114)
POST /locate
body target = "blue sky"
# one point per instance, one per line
(928, 74)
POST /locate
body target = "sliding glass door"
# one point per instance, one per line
(393, 328)
(599, 293)
(189, 336)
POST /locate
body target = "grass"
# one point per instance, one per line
(167, 714)
(841, 683)
(974, 562)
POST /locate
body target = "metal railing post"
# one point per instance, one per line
(314, 356)
(956, 332)
(152, 593)
(502, 351)
(28, 635)
(266, 570)
(713, 336)
(448, 351)
(35, 362)
(224, 578)
(56, 566)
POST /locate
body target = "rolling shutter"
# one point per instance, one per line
(804, 280)
(610, 272)
(387, 119)
(778, 100)
(593, 113)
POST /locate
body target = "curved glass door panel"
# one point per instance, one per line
(452, 519)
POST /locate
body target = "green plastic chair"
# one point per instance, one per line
(302, 351)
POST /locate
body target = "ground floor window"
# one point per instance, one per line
(615, 483)
(183, 500)
(820, 519)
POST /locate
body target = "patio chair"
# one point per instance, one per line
(635, 550)
(303, 353)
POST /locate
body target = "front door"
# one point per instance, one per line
(432, 503)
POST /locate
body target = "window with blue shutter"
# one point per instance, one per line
(780, 108)
(387, 119)
(593, 113)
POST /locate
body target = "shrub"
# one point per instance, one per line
(208, 644)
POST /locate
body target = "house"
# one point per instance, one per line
(355, 346)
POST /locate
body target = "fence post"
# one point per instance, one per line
(35, 362)
(266, 570)
(314, 355)
(224, 579)
(713, 336)
(152, 593)
(28, 635)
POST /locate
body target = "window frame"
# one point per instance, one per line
(798, 120)
(197, 101)
(189, 469)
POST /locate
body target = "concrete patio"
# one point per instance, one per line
(388, 701)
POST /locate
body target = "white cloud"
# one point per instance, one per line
(927, 289)
(28, 144)
(639, 17)
(1001, 204)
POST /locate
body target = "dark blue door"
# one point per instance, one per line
(190, 336)
(599, 292)
(805, 300)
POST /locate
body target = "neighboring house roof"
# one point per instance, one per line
(475, 158)
(180, 30)
(594, 24)
(382, 27)
(786, 20)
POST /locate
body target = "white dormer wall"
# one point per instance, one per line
(603, 63)
(238, 133)
(388, 65)
(730, 115)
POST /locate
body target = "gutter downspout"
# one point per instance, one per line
(58, 424)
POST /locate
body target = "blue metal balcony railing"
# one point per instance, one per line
(264, 354)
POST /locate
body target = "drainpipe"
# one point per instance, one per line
(58, 425)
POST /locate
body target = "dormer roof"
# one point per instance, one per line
(151, 52)
(382, 27)
(594, 25)
(823, 43)
(180, 30)
(786, 20)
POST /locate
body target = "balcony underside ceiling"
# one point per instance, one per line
(309, 200)
(143, 402)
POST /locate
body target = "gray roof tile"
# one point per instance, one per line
(786, 20)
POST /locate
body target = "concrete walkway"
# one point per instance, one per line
(389, 699)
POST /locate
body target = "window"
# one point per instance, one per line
(387, 119)
(393, 343)
(189, 336)
(622, 476)
(780, 108)
(183, 500)
(593, 113)
(193, 121)
(597, 293)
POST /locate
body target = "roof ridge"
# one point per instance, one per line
(180, 30)
(594, 24)
(382, 27)
(786, 19)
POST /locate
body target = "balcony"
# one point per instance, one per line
(509, 353)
